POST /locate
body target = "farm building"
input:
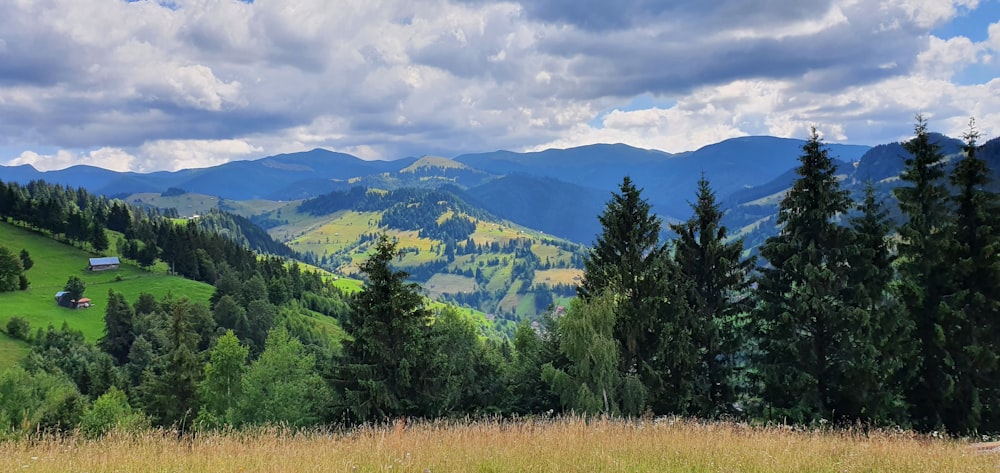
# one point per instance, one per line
(102, 264)
(62, 298)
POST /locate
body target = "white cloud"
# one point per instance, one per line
(206, 81)
(928, 13)
(108, 158)
(182, 154)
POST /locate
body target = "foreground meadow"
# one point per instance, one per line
(561, 445)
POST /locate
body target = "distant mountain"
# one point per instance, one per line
(888, 160)
(543, 203)
(730, 166)
(270, 177)
(600, 166)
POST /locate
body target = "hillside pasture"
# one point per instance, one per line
(55, 262)
(552, 277)
(449, 284)
(187, 205)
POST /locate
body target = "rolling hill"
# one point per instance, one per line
(55, 262)
(457, 251)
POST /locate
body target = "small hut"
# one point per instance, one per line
(104, 264)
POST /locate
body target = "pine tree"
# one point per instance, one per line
(718, 281)
(169, 387)
(118, 331)
(75, 287)
(925, 277)
(800, 318)
(26, 260)
(99, 238)
(976, 303)
(880, 353)
(10, 269)
(387, 323)
(652, 325)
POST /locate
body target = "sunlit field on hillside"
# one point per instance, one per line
(55, 262)
(560, 445)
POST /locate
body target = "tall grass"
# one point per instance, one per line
(561, 445)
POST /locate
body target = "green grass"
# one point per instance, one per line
(55, 262)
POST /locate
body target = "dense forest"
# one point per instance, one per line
(847, 317)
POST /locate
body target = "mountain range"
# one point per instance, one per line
(557, 191)
(502, 232)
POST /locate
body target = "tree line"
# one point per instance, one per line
(850, 317)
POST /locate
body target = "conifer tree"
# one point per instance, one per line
(976, 303)
(169, 386)
(118, 331)
(10, 269)
(98, 237)
(387, 323)
(925, 277)
(880, 353)
(800, 318)
(652, 325)
(718, 280)
(622, 261)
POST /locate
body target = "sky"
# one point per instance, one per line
(165, 85)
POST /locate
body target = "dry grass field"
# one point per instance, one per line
(526, 446)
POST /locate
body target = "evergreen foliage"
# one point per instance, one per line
(387, 323)
(974, 342)
(880, 356)
(118, 331)
(804, 324)
(75, 287)
(718, 282)
(926, 278)
(10, 269)
(627, 260)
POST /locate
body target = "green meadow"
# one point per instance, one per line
(55, 262)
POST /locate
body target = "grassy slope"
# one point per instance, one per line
(54, 263)
(190, 203)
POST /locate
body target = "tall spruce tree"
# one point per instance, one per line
(925, 277)
(387, 323)
(652, 325)
(880, 352)
(118, 331)
(976, 303)
(169, 386)
(801, 314)
(718, 281)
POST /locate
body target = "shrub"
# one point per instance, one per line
(111, 411)
(18, 328)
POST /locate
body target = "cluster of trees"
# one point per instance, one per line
(12, 268)
(851, 317)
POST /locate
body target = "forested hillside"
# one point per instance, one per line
(457, 251)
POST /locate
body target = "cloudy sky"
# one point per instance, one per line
(154, 85)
